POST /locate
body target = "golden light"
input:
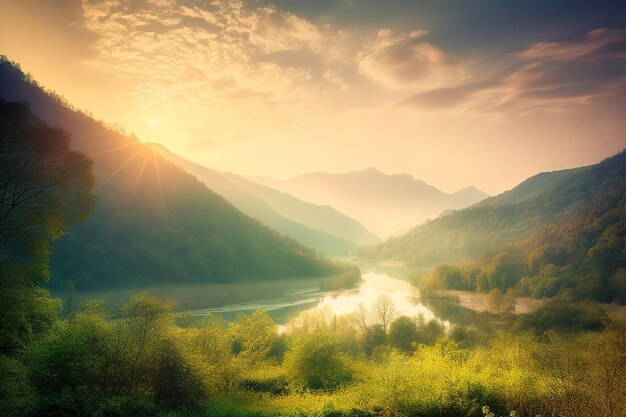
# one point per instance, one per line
(153, 121)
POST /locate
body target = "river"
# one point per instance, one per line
(339, 302)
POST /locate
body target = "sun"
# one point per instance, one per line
(153, 121)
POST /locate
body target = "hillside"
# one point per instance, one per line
(529, 188)
(385, 204)
(321, 228)
(469, 233)
(581, 254)
(153, 222)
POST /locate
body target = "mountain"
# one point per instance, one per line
(581, 253)
(530, 187)
(539, 203)
(385, 204)
(153, 222)
(321, 228)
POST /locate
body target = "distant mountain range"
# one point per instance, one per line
(385, 204)
(320, 227)
(154, 222)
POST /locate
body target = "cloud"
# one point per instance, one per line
(407, 61)
(172, 49)
(275, 31)
(546, 76)
(599, 43)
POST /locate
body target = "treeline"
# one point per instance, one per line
(144, 361)
(153, 222)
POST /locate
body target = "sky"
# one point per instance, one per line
(456, 93)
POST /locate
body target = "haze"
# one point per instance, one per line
(448, 94)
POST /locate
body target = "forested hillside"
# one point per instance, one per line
(529, 188)
(466, 234)
(153, 222)
(321, 228)
(568, 239)
(582, 254)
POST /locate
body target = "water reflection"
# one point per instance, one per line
(340, 302)
(370, 289)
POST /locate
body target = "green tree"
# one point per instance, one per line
(403, 333)
(314, 361)
(374, 338)
(254, 336)
(45, 187)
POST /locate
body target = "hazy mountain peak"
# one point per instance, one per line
(472, 192)
(372, 170)
(384, 203)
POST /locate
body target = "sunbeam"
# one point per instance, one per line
(138, 177)
(130, 158)
(157, 172)
(112, 149)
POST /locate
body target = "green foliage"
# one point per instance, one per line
(141, 363)
(132, 359)
(373, 340)
(44, 188)
(177, 382)
(254, 337)
(565, 316)
(14, 381)
(403, 333)
(314, 361)
(265, 379)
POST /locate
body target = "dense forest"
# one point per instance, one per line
(559, 235)
(153, 222)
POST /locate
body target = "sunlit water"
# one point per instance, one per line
(340, 302)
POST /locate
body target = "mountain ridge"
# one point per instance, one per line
(153, 222)
(384, 203)
(322, 228)
(540, 200)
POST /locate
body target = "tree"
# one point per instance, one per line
(45, 187)
(403, 333)
(315, 361)
(501, 304)
(360, 318)
(254, 336)
(373, 339)
(384, 311)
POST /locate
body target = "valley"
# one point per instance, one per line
(312, 209)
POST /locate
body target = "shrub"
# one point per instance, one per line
(316, 362)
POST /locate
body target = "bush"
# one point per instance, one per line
(564, 315)
(316, 362)
(275, 385)
(177, 383)
(403, 333)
